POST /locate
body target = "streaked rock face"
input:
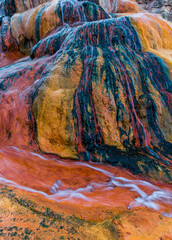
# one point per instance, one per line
(23, 5)
(94, 84)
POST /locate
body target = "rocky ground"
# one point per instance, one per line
(30, 216)
(163, 7)
(88, 81)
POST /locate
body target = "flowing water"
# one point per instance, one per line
(79, 183)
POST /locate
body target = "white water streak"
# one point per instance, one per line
(158, 195)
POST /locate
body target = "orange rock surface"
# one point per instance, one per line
(29, 209)
(85, 121)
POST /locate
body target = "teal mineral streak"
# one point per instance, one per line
(38, 20)
(84, 30)
(7, 8)
(69, 13)
(124, 63)
(121, 49)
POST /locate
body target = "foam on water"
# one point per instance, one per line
(158, 195)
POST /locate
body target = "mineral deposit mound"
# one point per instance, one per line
(92, 82)
(84, 81)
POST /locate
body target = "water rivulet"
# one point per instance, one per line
(88, 84)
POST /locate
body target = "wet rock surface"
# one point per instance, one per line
(104, 79)
(85, 81)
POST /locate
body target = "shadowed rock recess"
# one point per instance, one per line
(88, 80)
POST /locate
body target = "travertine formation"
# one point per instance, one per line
(92, 82)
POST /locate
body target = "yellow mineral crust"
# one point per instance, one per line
(53, 107)
(155, 34)
(53, 110)
(24, 23)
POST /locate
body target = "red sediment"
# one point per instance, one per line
(89, 183)
(16, 122)
(40, 172)
(9, 58)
